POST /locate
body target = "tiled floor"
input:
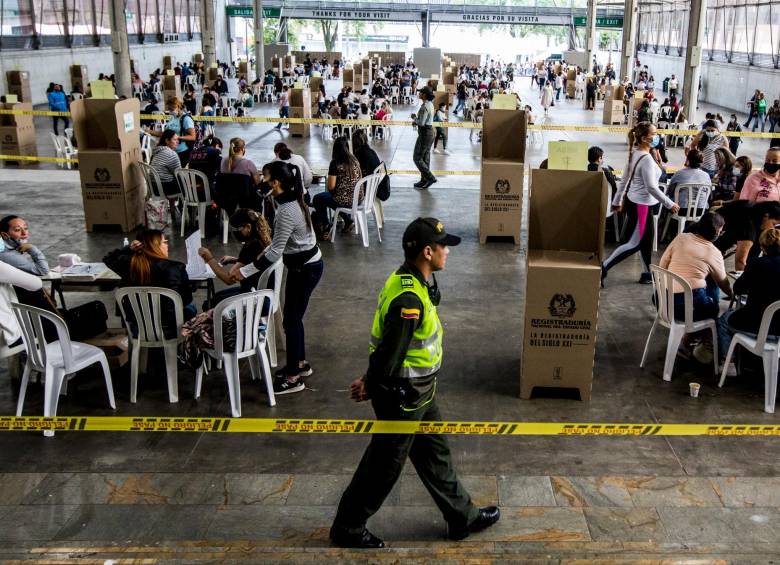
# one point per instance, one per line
(268, 498)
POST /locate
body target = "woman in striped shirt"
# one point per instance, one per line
(708, 141)
(295, 241)
(165, 161)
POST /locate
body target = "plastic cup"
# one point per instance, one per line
(694, 389)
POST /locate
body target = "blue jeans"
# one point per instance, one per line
(203, 125)
(56, 119)
(760, 118)
(706, 303)
(322, 202)
(460, 105)
(284, 112)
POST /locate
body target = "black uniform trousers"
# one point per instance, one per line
(384, 460)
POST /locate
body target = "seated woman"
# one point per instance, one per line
(761, 283)
(725, 180)
(17, 251)
(368, 160)
(145, 262)
(207, 158)
(10, 279)
(692, 256)
(254, 233)
(742, 169)
(236, 162)
(691, 173)
(165, 161)
(343, 174)
(285, 154)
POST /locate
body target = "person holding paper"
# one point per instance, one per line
(145, 262)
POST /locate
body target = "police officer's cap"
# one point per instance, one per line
(427, 231)
(428, 91)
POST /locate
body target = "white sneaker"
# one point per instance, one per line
(731, 370)
(447, 152)
(436, 151)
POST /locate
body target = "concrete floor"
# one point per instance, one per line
(266, 498)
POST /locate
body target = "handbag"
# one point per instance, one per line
(86, 321)
(158, 214)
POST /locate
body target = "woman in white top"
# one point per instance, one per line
(640, 189)
(10, 276)
(283, 153)
(547, 97)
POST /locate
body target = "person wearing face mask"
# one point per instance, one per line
(734, 141)
(295, 242)
(637, 194)
(745, 221)
(17, 251)
(707, 141)
(403, 367)
(764, 185)
(254, 233)
(180, 123)
(742, 169)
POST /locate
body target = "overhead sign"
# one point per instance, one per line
(249, 12)
(614, 22)
(480, 17)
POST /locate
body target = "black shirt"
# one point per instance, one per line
(385, 364)
(369, 161)
(761, 283)
(743, 222)
(249, 253)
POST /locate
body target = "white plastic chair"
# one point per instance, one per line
(68, 133)
(60, 152)
(250, 344)
(268, 93)
(138, 92)
(157, 91)
(68, 150)
(12, 354)
(698, 202)
(768, 350)
(611, 213)
(146, 147)
(379, 212)
(361, 209)
(327, 129)
(188, 183)
(395, 94)
(146, 304)
(154, 187)
(57, 361)
(386, 131)
(277, 269)
(406, 95)
(663, 284)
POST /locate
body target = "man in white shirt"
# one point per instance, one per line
(673, 86)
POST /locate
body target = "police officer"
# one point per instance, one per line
(425, 136)
(406, 353)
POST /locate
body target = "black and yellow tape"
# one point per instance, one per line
(330, 426)
(622, 130)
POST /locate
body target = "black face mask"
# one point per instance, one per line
(433, 292)
(771, 168)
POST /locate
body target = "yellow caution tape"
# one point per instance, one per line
(329, 426)
(464, 125)
(36, 158)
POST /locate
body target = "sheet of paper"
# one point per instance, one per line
(568, 155)
(11, 98)
(102, 89)
(504, 102)
(196, 266)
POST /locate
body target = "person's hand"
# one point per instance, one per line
(675, 208)
(135, 245)
(357, 390)
(25, 247)
(206, 254)
(618, 208)
(227, 260)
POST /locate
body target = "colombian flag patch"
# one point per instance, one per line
(410, 313)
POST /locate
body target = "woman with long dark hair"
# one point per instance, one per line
(295, 242)
(637, 193)
(343, 174)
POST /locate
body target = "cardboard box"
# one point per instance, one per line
(171, 87)
(112, 188)
(213, 74)
(349, 76)
(571, 83)
(243, 68)
(501, 177)
(17, 77)
(197, 58)
(15, 136)
(167, 62)
(16, 120)
(22, 92)
(101, 124)
(300, 107)
(29, 150)
(114, 344)
(289, 61)
(565, 242)
(78, 71)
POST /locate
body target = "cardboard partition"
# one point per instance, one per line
(566, 245)
(349, 76)
(106, 124)
(197, 58)
(389, 57)
(112, 188)
(273, 53)
(571, 83)
(167, 62)
(16, 120)
(428, 61)
(314, 85)
(11, 136)
(17, 77)
(78, 71)
(503, 135)
(501, 199)
(171, 86)
(29, 150)
(468, 59)
(300, 107)
(21, 91)
(213, 74)
(289, 61)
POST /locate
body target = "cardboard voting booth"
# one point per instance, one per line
(108, 136)
(171, 87)
(613, 105)
(571, 82)
(79, 79)
(17, 133)
(565, 252)
(167, 62)
(300, 107)
(19, 85)
(349, 76)
(357, 77)
(501, 176)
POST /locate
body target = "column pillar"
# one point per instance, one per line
(259, 43)
(628, 48)
(120, 49)
(690, 84)
(207, 35)
(283, 31)
(426, 28)
(591, 39)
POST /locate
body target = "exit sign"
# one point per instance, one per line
(249, 12)
(616, 22)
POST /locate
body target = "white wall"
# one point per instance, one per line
(53, 65)
(722, 84)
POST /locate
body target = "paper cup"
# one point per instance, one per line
(694, 389)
